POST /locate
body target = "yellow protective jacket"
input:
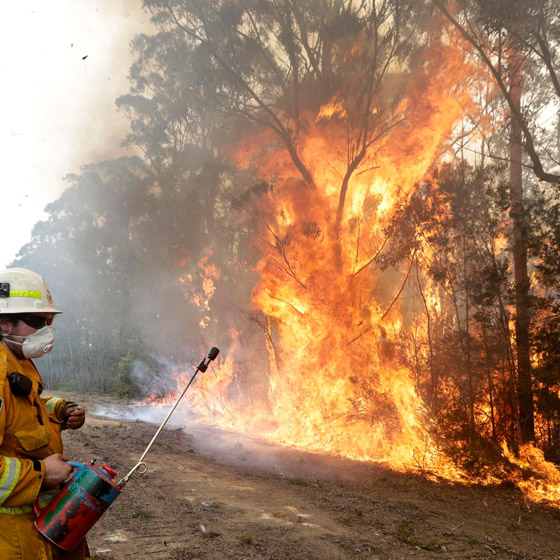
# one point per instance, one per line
(29, 431)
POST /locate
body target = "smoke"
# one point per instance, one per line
(105, 58)
(67, 64)
(159, 382)
(141, 413)
(240, 450)
(159, 378)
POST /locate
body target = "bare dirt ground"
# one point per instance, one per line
(213, 495)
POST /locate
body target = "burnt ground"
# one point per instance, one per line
(213, 495)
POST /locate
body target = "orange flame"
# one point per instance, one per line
(201, 290)
(336, 381)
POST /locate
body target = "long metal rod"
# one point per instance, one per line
(201, 367)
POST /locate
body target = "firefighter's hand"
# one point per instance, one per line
(57, 470)
(75, 417)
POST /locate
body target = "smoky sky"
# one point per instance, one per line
(68, 62)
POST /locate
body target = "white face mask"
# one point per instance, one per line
(35, 345)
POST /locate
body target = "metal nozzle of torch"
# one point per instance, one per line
(203, 366)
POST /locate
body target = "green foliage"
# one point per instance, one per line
(142, 514)
(405, 535)
(124, 387)
(299, 481)
(458, 217)
(245, 540)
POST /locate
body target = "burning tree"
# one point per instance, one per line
(344, 107)
(516, 43)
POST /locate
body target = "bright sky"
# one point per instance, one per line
(64, 63)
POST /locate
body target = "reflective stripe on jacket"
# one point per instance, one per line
(44, 499)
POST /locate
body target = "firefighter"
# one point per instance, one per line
(32, 465)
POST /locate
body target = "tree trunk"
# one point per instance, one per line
(490, 382)
(521, 278)
(470, 374)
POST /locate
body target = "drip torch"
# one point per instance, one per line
(89, 492)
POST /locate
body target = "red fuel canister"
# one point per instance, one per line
(78, 505)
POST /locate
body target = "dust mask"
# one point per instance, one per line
(35, 345)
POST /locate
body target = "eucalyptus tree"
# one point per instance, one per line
(269, 62)
(517, 43)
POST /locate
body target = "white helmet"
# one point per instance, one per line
(24, 291)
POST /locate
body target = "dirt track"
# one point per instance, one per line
(214, 495)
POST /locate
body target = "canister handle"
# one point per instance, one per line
(79, 466)
(37, 507)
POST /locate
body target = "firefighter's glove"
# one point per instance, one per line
(75, 417)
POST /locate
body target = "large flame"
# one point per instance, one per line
(336, 383)
(335, 319)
